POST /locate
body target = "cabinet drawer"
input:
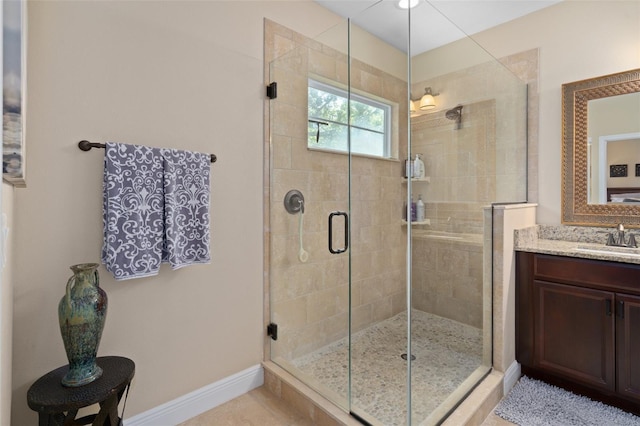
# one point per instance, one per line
(597, 274)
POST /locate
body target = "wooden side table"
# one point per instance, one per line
(59, 405)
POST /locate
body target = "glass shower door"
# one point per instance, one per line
(309, 238)
(379, 320)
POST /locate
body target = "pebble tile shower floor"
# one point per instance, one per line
(446, 353)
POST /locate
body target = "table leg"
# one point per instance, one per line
(55, 419)
(46, 419)
(69, 418)
(108, 409)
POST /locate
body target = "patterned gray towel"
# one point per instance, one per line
(133, 210)
(186, 207)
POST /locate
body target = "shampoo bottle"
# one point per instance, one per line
(420, 209)
(408, 168)
(418, 167)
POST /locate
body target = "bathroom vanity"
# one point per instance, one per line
(578, 318)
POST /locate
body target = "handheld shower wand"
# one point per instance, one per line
(294, 204)
(303, 255)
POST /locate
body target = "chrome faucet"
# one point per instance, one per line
(620, 240)
(620, 234)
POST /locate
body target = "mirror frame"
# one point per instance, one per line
(575, 207)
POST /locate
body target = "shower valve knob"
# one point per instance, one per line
(294, 202)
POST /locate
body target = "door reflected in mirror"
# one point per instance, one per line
(614, 149)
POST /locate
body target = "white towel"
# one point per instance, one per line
(133, 214)
(186, 207)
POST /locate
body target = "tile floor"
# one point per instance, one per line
(256, 408)
(446, 354)
(261, 408)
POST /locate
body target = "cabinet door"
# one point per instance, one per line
(628, 346)
(574, 329)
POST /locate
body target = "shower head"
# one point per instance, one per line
(454, 113)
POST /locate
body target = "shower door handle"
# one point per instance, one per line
(346, 232)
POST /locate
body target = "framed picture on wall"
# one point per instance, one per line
(637, 170)
(13, 91)
(618, 170)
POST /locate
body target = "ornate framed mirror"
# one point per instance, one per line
(581, 202)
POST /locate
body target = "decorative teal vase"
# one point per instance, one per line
(82, 312)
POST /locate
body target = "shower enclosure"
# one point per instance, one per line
(387, 317)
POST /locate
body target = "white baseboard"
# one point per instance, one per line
(200, 400)
(511, 376)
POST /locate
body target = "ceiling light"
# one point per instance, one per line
(407, 4)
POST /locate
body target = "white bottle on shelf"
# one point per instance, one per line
(418, 168)
(420, 209)
(408, 168)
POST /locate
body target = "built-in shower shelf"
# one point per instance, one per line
(422, 222)
(424, 179)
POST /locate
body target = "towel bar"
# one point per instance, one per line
(86, 146)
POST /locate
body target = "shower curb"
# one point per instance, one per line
(480, 403)
(304, 399)
(471, 412)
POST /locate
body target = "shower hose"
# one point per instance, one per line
(303, 256)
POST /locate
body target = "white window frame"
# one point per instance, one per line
(385, 107)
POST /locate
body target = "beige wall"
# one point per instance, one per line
(624, 152)
(173, 74)
(6, 303)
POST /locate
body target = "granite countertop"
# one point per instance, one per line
(573, 241)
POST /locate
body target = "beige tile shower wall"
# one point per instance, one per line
(514, 138)
(447, 279)
(461, 164)
(310, 301)
(469, 168)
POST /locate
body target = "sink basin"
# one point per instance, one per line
(619, 251)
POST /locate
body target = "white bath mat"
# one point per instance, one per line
(535, 403)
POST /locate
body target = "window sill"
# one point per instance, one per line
(353, 154)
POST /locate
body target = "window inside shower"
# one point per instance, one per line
(370, 121)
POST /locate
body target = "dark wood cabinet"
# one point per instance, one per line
(628, 346)
(578, 325)
(574, 336)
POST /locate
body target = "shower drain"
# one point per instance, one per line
(404, 356)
